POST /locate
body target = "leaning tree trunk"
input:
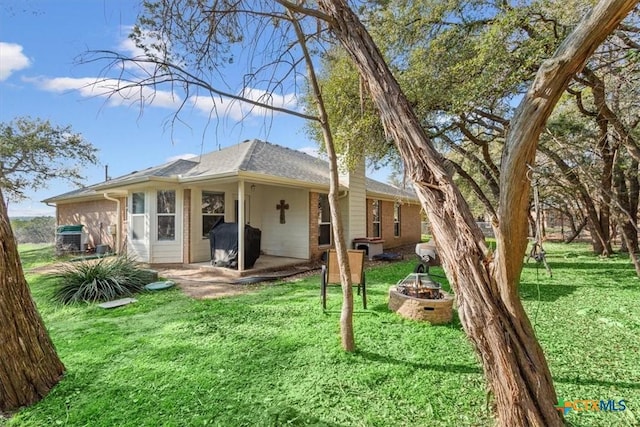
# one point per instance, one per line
(488, 302)
(29, 365)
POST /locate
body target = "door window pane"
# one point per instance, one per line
(212, 210)
(137, 203)
(137, 227)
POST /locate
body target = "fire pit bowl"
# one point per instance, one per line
(418, 297)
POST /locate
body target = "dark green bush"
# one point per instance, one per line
(102, 280)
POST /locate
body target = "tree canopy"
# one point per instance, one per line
(34, 151)
(464, 65)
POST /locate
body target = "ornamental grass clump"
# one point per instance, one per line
(102, 280)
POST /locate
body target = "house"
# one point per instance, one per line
(163, 214)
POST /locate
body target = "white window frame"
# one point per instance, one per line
(211, 214)
(322, 223)
(166, 215)
(397, 218)
(376, 211)
(135, 215)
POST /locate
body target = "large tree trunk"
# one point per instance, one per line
(627, 208)
(486, 288)
(607, 152)
(627, 200)
(29, 365)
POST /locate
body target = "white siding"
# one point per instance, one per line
(139, 249)
(166, 251)
(355, 220)
(290, 239)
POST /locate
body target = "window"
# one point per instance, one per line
(375, 217)
(324, 220)
(137, 216)
(212, 210)
(166, 214)
(396, 219)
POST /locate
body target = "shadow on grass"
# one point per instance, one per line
(286, 415)
(600, 383)
(593, 265)
(39, 255)
(356, 310)
(546, 293)
(438, 367)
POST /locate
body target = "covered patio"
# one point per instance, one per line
(266, 265)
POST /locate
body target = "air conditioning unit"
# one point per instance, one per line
(71, 239)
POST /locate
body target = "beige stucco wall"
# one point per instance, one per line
(91, 214)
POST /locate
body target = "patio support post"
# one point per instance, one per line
(241, 222)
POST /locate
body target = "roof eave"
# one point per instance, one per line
(284, 182)
(393, 197)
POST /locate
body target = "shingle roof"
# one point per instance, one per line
(263, 158)
(255, 156)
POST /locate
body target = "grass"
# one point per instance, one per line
(273, 358)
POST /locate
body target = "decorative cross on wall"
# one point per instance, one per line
(282, 206)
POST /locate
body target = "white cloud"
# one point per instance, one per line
(185, 156)
(30, 210)
(117, 92)
(239, 110)
(126, 93)
(11, 59)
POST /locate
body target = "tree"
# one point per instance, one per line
(40, 229)
(191, 57)
(462, 64)
(485, 282)
(29, 365)
(33, 152)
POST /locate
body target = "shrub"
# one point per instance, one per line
(102, 280)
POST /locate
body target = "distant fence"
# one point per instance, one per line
(486, 228)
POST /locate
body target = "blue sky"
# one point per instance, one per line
(40, 77)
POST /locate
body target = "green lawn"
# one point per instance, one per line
(273, 358)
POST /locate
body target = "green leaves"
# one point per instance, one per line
(33, 151)
(104, 280)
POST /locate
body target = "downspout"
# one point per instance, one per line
(55, 230)
(53, 206)
(118, 220)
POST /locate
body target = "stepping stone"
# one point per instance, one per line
(117, 303)
(158, 286)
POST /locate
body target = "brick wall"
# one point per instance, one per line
(409, 224)
(91, 214)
